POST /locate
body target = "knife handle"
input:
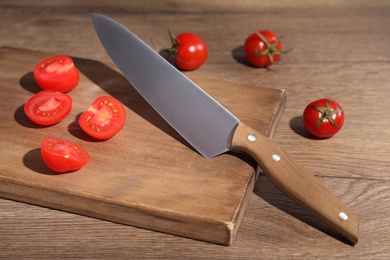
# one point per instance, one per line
(296, 181)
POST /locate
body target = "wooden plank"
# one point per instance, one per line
(147, 175)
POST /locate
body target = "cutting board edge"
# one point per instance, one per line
(198, 228)
(278, 112)
(240, 211)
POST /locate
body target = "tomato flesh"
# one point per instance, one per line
(104, 119)
(190, 51)
(56, 73)
(61, 155)
(48, 107)
(323, 118)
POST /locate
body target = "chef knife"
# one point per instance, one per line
(213, 130)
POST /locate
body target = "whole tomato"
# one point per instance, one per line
(263, 48)
(323, 118)
(189, 51)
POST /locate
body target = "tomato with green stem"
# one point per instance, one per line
(104, 118)
(57, 72)
(323, 118)
(61, 155)
(189, 51)
(263, 48)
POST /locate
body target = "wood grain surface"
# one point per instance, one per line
(341, 51)
(147, 176)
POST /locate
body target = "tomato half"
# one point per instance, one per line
(263, 48)
(57, 73)
(61, 155)
(189, 51)
(48, 107)
(104, 119)
(323, 118)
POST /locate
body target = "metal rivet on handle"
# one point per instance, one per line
(276, 157)
(252, 137)
(343, 216)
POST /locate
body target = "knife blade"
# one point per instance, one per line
(211, 129)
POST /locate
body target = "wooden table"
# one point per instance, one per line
(341, 51)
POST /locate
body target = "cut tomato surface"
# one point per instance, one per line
(61, 155)
(104, 119)
(57, 73)
(48, 107)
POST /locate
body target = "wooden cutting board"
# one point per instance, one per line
(147, 175)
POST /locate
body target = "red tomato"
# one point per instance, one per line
(189, 51)
(323, 118)
(48, 107)
(61, 155)
(56, 73)
(104, 119)
(263, 48)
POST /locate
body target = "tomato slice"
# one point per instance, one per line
(104, 119)
(56, 73)
(48, 107)
(61, 155)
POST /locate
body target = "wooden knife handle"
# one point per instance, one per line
(296, 181)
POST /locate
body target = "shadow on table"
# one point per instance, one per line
(296, 124)
(238, 54)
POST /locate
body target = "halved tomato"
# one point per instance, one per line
(104, 119)
(61, 155)
(57, 73)
(48, 107)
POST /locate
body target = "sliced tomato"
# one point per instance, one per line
(57, 73)
(61, 155)
(48, 107)
(104, 119)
